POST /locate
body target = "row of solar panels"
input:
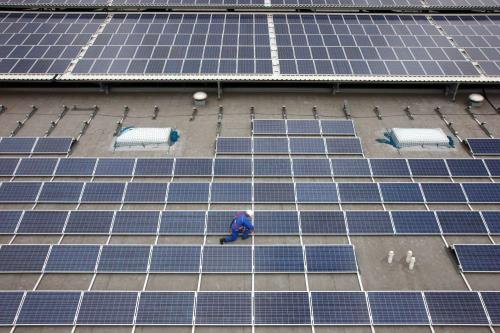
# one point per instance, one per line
(35, 145)
(176, 259)
(302, 127)
(265, 222)
(216, 192)
(267, 308)
(484, 146)
(339, 47)
(246, 167)
(478, 258)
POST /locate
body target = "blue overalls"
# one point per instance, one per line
(240, 225)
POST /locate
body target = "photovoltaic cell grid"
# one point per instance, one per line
(461, 222)
(188, 3)
(29, 145)
(322, 222)
(455, 308)
(485, 146)
(107, 308)
(57, 308)
(341, 308)
(54, 3)
(398, 308)
(478, 258)
(285, 308)
(462, 4)
(9, 304)
(27, 258)
(220, 308)
(184, 259)
(237, 259)
(492, 302)
(302, 127)
(165, 308)
(331, 259)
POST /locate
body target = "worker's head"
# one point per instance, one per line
(249, 213)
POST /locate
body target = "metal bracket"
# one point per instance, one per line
(219, 119)
(315, 112)
(193, 114)
(21, 123)
(377, 112)
(54, 123)
(219, 90)
(119, 123)
(283, 112)
(155, 112)
(252, 113)
(409, 114)
(2, 108)
(86, 123)
(346, 109)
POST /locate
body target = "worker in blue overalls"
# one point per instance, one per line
(241, 224)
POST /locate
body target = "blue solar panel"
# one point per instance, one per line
(49, 308)
(36, 167)
(188, 192)
(478, 258)
(282, 308)
(60, 192)
(337, 127)
(231, 192)
(103, 192)
(493, 167)
(107, 308)
(165, 308)
(492, 303)
(17, 145)
(330, 259)
(223, 259)
(389, 167)
(316, 192)
(9, 304)
(270, 146)
(397, 308)
(455, 308)
(340, 308)
(19, 191)
(342, 146)
(443, 192)
(123, 259)
(322, 222)
(115, 167)
(218, 222)
(89, 222)
(467, 168)
(461, 222)
(53, 145)
(276, 222)
(145, 192)
(232, 167)
(303, 127)
(278, 259)
(154, 167)
(219, 308)
(9, 220)
(234, 146)
(415, 222)
(482, 192)
(8, 166)
(427, 167)
(350, 167)
(311, 168)
(492, 220)
(307, 146)
(76, 166)
(183, 222)
(135, 222)
(358, 192)
(276, 167)
(401, 192)
(175, 259)
(274, 192)
(42, 222)
(193, 167)
(269, 126)
(369, 222)
(22, 258)
(72, 258)
(484, 146)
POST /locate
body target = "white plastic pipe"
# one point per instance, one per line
(390, 257)
(412, 263)
(409, 254)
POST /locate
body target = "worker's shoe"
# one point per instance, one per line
(221, 241)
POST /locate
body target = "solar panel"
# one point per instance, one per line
(389, 167)
(55, 3)
(225, 259)
(276, 222)
(311, 168)
(464, 4)
(118, 258)
(16, 145)
(467, 168)
(316, 192)
(60, 192)
(478, 258)
(415, 222)
(233, 145)
(461, 222)
(49, 308)
(455, 308)
(358, 192)
(331, 259)
(183, 222)
(9, 220)
(22, 258)
(193, 167)
(369, 222)
(337, 127)
(492, 220)
(154, 167)
(427, 167)
(231, 192)
(269, 126)
(482, 192)
(146, 192)
(89, 222)
(165, 308)
(188, 192)
(135, 222)
(493, 167)
(103, 192)
(115, 167)
(322, 222)
(8, 166)
(492, 303)
(342, 308)
(107, 308)
(218, 222)
(175, 259)
(72, 258)
(350, 167)
(401, 192)
(36, 167)
(42, 222)
(270, 146)
(341, 146)
(303, 127)
(443, 192)
(19, 191)
(278, 259)
(9, 304)
(275, 167)
(397, 308)
(76, 167)
(307, 146)
(232, 167)
(282, 308)
(218, 308)
(53, 145)
(273, 192)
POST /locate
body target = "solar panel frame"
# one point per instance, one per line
(36, 167)
(369, 222)
(333, 223)
(227, 259)
(482, 192)
(343, 146)
(19, 191)
(72, 258)
(303, 127)
(178, 222)
(272, 167)
(307, 146)
(273, 192)
(23, 258)
(218, 308)
(8, 166)
(165, 308)
(276, 222)
(115, 167)
(49, 308)
(17, 145)
(232, 167)
(269, 127)
(231, 192)
(491, 301)
(193, 167)
(484, 146)
(398, 308)
(278, 259)
(337, 127)
(455, 308)
(359, 193)
(443, 193)
(478, 258)
(135, 222)
(308, 167)
(270, 145)
(188, 192)
(493, 166)
(428, 167)
(154, 167)
(42, 222)
(145, 192)
(467, 168)
(103, 192)
(234, 145)
(175, 259)
(9, 305)
(53, 145)
(340, 308)
(75, 167)
(89, 222)
(401, 193)
(107, 308)
(389, 167)
(331, 259)
(492, 221)
(9, 220)
(316, 192)
(415, 222)
(350, 167)
(61, 192)
(461, 222)
(124, 259)
(282, 308)
(218, 222)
